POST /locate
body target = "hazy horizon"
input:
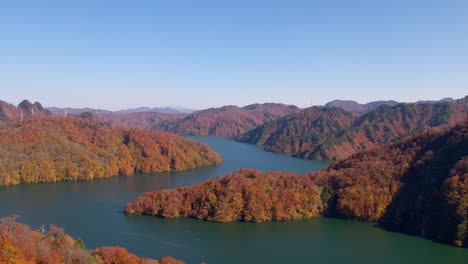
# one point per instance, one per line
(118, 54)
(193, 109)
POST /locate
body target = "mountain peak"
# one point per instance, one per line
(29, 108)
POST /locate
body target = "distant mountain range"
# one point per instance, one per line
(145, 120)
(163, 110)
(230, 120)
(316, 123)
(357, 108)
(77, 111)
(333, 133)
(223, 121)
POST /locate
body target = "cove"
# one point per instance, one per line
(93, 211)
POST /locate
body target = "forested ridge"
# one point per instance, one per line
(416, 185)
(227, 120)
(357, 108)
(51, 149)
(223, 121)
(333, 133)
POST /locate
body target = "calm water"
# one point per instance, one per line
(93, 212)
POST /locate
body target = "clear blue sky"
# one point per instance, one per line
(118, 54)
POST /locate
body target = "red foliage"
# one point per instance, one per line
(332, 133)
(246, 195)
(50, 149)
(228, 120)
(405, 185)
(19, 244)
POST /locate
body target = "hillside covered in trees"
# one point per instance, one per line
(230, 120)
(357, 108)
(9, 112)
(51, 149)
(416, 185)
(223, 121)
(20, 244)
(332, 133)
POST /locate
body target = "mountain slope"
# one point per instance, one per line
(223, 121)
(357, 108)
(230, 120)
(302, 136)
(50, 149)
(417, 185)
(299, 132)
(10, 112)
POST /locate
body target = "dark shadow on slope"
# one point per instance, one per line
(421, 208)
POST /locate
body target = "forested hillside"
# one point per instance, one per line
(332, 133)
(229, 120)
(417, 185)
(51, 149)
(357, 108)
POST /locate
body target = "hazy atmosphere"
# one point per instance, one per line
(201, 54)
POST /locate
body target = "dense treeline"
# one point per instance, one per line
(332, 133)
(51, 149)
(245, 195)
(417, 185)
(19, 244)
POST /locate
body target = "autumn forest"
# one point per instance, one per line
(400, 165)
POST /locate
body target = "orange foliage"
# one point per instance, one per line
(332, 133)
(417, 186)
(246, 195)
(227, 120)
(50, 149)
(19, 244)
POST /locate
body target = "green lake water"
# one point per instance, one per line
(93, 211)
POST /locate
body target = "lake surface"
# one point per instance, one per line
(93, 211)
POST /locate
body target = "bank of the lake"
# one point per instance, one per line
(93, 212)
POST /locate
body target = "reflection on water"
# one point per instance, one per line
(93, 212)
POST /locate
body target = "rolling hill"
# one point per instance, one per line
(51, 149)
(332, 133)
(230, 120)
(417, 186)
